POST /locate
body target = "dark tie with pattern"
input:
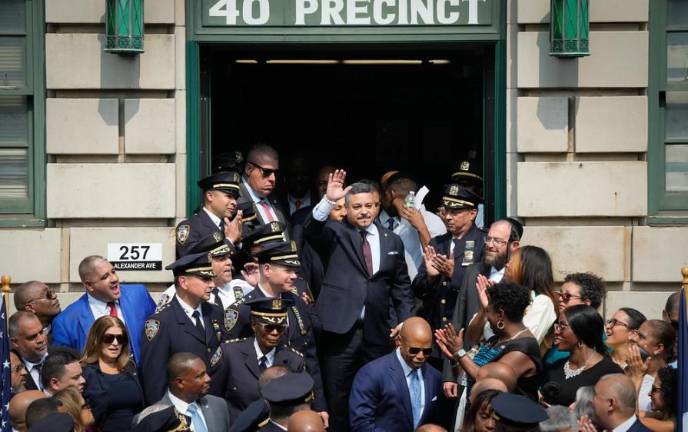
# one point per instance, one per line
(263, 363)
(199, 326)
(367, 253)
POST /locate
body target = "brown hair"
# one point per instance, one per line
(94, 341)
(70, 398)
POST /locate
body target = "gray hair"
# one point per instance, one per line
(359, 188)
(583, 405)
(560, 419)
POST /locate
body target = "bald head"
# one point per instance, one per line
(499, 371)
(179, 364)
(430, 428)
(18, 405)
(614, 401)
(26, 292)
(305, 421)
(415, 342)
(416, 328)
(486, 384)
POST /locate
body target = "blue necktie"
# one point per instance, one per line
(415, 393)
(196, 421)
(390, 224)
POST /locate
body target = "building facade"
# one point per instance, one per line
(101, 151)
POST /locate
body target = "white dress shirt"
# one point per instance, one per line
(226, 292)
(644, 401)
(183, 407)
(407, 373)
(188, 310)
(100, 308)
(623, 427)
(269, 356)
(256, 199)
(35, 371)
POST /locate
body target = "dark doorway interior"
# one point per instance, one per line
(423, 114)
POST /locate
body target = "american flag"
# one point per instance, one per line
(6, 389)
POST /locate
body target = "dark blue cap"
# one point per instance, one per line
(54, 422)
(196, 264)
(264, 234)
(282, 253)
(270, 310)
(517, 410)
(459, 197)
(163, 420)
(213, 244)
(225, 181)
(293, 388)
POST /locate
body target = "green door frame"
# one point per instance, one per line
(494, 157)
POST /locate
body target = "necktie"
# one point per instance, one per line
(390, 224)
(38, 368)
(297, 204)
(367, 253)
(268, 211)
(415, 393)
(113, 309)
(197, 422)
(263, 363)
(456, 247)
(199, 325)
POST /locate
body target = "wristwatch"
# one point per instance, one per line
(460, 353)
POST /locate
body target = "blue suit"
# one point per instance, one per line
(380, 400)
(70, 328)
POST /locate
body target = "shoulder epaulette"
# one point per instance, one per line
(163, 307)
(236, 340)
(292, 349)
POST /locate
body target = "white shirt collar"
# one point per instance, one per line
(216, 220)
(372, 229)
(99, 305)
(496, 275)
(265, 293)
(179, 404)
(259, 353)
(623, 427)
(29, 365)
(188, 310)
(407, 369)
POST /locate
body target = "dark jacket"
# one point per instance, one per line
(97, 392)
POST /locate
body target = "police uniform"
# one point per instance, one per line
(171, 330)
(468, 179)
(200, 225)
(237, 379)
(288, 391)
(517, 412)
(302, 320)
(439, 295)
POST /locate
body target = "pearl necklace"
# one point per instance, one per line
(570, 373)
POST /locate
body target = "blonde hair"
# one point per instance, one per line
(70, 398)
(94, 341)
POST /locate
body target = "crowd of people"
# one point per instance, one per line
(345, 306)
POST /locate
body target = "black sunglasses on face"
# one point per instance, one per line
(109, 338)
(416, 351)
(269, 328)
(265, 172)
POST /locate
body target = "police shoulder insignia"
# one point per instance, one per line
(151, 328)
(294, 350)
(231, 317)
(216, 357)
(236, 340)
(162, 303)
(217, 236)
(183, 233)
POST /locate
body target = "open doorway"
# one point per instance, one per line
(416, 109)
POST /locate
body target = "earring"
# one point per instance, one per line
(579, 344)
(500, 325)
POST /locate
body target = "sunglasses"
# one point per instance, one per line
(109, 338)
(274, 327)
(566, 297)
(416, 351)
(265, 172)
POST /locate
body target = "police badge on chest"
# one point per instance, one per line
(468, 253)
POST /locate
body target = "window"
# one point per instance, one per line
(668, 101)
(21, 112)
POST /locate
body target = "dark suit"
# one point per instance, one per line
(312, 267)
(249, 226)
(300, 334)
(467, 305)
(347, 341)
(177, 333)
(237, 379)
(637, 426)
(380, 399)
(439, 295)
(70, 328)
(191, 231)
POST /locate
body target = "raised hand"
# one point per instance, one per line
(449, 340)
(444, 264)
(233, 228)
(335, 185)
(428, 258)
(481, 284)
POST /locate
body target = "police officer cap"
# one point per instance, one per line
(465, 177)
(248, 213)
(517, 410)
(54, 422)
(458, 197)
(213, 244)
(270, 310)
(293, 388)
(282, 253)
(194, 264)
(165, 420)
(262, 234)
(225, 181)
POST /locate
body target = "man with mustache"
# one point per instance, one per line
(366, 274)
(104, 296)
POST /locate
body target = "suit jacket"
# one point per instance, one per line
(214, 410)
(237, 378)
(380, 400)
(249, 226)
(312, 267)
(170, 331)
(347, 287)
(467, 305)
(70, 328)
(637, 426)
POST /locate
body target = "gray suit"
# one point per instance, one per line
(214, 410)
(248, 226)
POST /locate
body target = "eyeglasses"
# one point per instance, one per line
(49, 295)
(274, 327)
(265, 172)
(613, 322)
(655, 389)
(496, 241)
(560, 325)
(416, 351)
(566, 297)
(109, 338)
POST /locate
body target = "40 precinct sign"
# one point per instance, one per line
(135, 256)
(345, 13)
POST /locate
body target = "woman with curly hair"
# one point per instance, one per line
(662, 417)
(513, 343)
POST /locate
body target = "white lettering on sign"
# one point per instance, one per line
(135, 256)
(350, 12)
